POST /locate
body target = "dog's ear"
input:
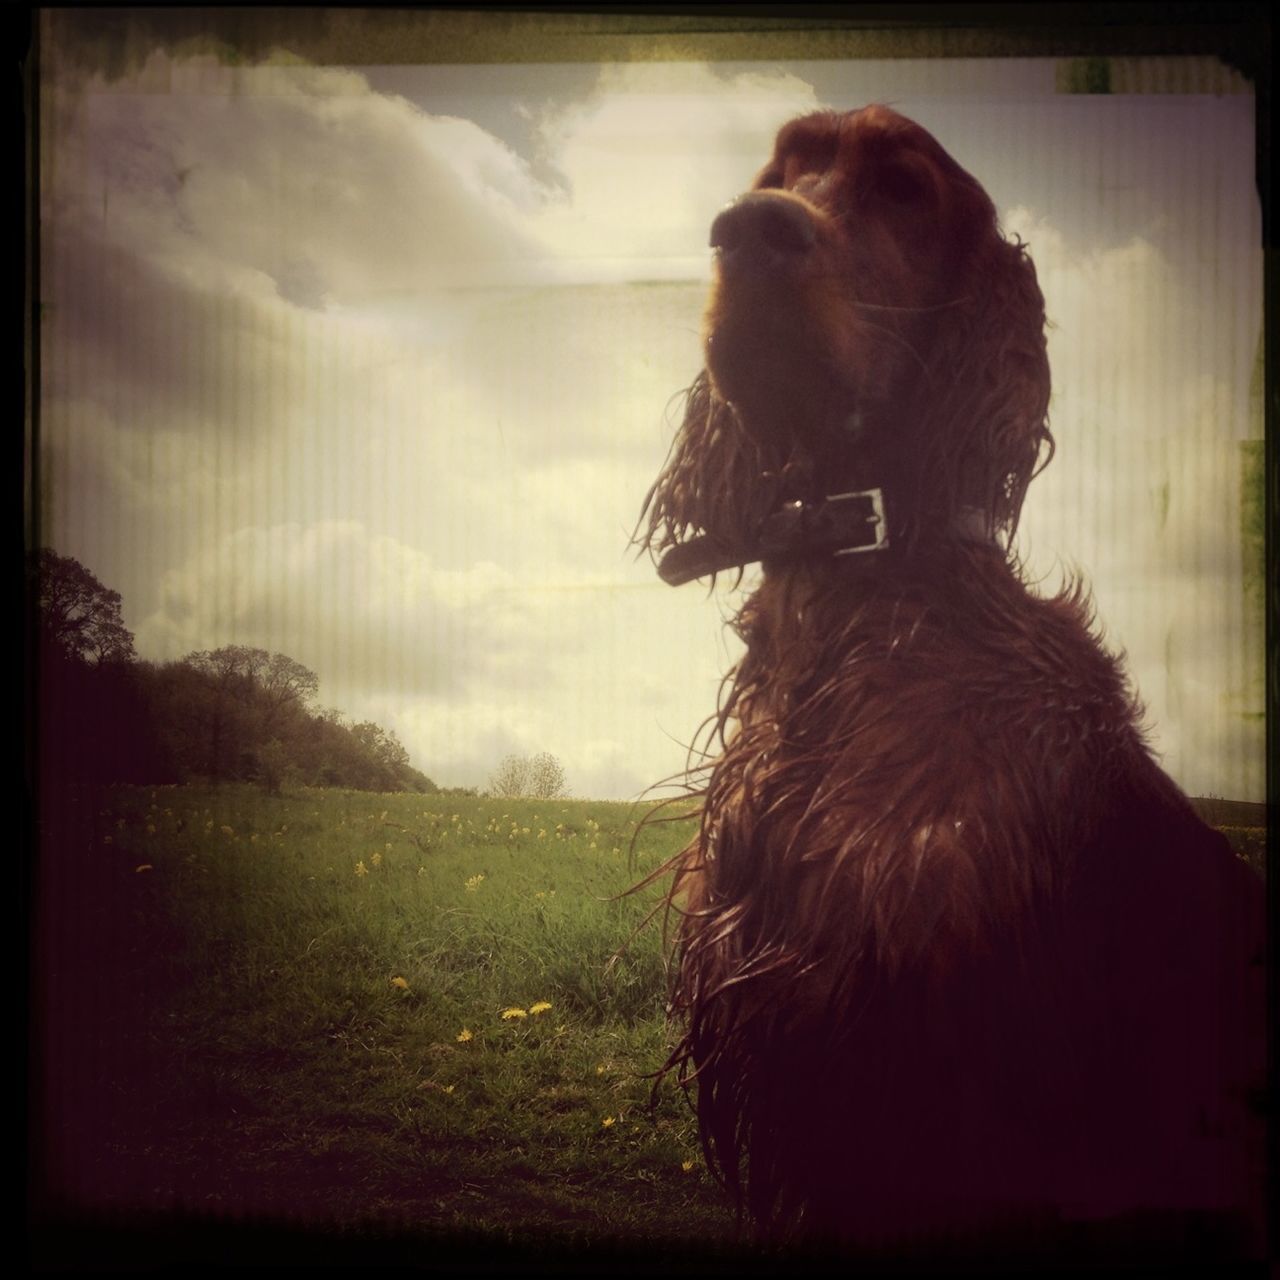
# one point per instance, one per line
(989, 435)
(1019, 442)
(712, 479)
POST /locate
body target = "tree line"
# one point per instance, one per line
(231, 714)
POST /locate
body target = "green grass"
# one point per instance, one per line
(291, 1008)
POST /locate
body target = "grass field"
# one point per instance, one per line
(338, 1008)
(344, 1010)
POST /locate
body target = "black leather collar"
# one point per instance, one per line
(840, 525)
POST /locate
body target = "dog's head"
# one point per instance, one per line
(869, 326)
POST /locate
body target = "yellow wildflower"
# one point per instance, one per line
(361, 869)
(686, 1165)
(509, 1015)
(376, 859)
(541, 1007)
(401, 983)
(608, 1122)
(226, 830)
(600, 1069)
(464, 1035)
(474, 882)
(449, 1088)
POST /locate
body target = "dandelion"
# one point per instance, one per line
(376, 859)
(686, 1165)
(361, 869)
(401, 983)
(464, 1035)
(541, 1007)
(608, 1122)
(511, 1015)
(146, 866)
(600, 1069)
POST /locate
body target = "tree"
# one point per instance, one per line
(270, 680)
(511, 779)
(540, 777)
(274, 767)
(249, 698)
(546, 777)
(79, 617)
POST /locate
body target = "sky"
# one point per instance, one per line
(373, 366)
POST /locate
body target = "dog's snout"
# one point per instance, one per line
(763, 229)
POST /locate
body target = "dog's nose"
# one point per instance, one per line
(762, 229)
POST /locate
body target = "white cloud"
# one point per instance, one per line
(651, 157)
(302, 174)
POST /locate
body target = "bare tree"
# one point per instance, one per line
(546, 777)
(511, 778)
(540, 777)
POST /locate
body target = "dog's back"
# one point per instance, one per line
(962, 963)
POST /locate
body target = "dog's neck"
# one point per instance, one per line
(840, 525)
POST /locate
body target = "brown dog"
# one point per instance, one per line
(959, 964)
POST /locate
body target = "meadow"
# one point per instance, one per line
(348, 1011)
(431, 1019)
